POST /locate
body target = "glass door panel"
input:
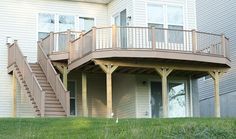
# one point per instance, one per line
(177, 100)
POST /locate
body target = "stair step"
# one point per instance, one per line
(43, 81)
(38, 72)
(50, 95)
(54, 109)
(51, 99)
(53, 106)
(47, 89)
(41, 78)
(47, 102)
(55, 114)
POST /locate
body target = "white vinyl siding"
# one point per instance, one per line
(19, 20)
(124, 105)
(218, 17)
(24, 108)
(116, 6)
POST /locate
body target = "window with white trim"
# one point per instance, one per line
(86, 23)
(46, 24)
(166, 16)
(175, 21)
(156, 19)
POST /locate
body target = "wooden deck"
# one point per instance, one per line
(137, 42)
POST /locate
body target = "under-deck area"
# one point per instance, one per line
(125, 71)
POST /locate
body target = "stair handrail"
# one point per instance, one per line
(28, 76)
(54, 79)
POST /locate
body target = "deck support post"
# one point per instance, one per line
(109, 69)
(164, 72)
(84, 95)
(14, 94)
(216, 77)
(65, 76)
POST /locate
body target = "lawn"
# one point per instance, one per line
(94, 128)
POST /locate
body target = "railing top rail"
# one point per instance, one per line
(46, 37)
(136, 27)
(207, 33)
(10, 45)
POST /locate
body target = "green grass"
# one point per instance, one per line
(74, 128)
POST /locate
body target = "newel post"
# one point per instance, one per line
(153, 38)
(15, 44)
(68, 103)
(82, 45)
(42, 110)
(114, 38)
(223, 45)
(51, 45)
(94, 29)
(194, 41)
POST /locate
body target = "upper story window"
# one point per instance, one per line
(46, 24)
(165, 16)
(156, 19)
(175, 21)
(66, 22)
(58, 23)
(86, 23)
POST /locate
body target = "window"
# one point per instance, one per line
(72, 89)
(156, 21)
(86, 23)
(175, 22)
(177, 100)
(45, 25)
(58, 23)
(165, 16)
(65, 22)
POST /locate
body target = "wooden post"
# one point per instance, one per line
(153, 38)
(68, 40)
(216, 77)
(63, 69)
(194, 41)
(223, 45)
(109, 94)
(65, 75)
(81, 47)
(94, 39)
(51, 49)
(14, 95)
(164, 72)
(109, 69)
(84, 95)
(114, 37)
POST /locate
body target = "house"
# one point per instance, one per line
(211, 19)
(106, 58)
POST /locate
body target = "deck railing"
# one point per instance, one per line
(15, 56)
(142, 38)
(54, 79)
(58, 41)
